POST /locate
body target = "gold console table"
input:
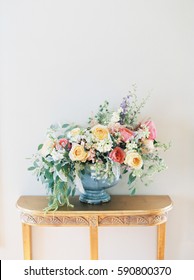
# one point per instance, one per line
(122, 210)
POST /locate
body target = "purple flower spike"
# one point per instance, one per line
(124, 105)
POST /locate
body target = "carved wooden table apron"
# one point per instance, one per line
(122, 210)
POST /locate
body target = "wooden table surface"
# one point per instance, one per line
(139, 204)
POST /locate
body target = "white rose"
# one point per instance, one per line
(74, 134)
(56, 155)
(47, 147)
(75, 131)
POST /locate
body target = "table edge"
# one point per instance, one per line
(98, 212)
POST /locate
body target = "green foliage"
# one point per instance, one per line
(133, 192)
(131, 178)
(31, 168)
(103, 115)
(40, 147)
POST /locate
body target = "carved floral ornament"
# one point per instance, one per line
(94, 220)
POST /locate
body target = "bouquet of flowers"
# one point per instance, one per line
(110, 137)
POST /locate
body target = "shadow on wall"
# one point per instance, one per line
(2, 232)
(179, 228)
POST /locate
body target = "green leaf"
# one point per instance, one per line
(48, 175)
(66, 168)
(50, 164)
(65, 125)
(50, 184)
(35, 164)
(133, 191)
(54, 127)
(131, 179)
(40, 147)
(58, 167)
(61, 185)
(31, 168)
(70, 128)
(73, 192)
(68, 191)
(83, 171)
(125, 171)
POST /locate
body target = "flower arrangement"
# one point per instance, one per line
(111, 136)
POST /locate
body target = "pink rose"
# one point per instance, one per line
(126, 134)
(117, 155)
(91, 155)
(152, 130)
(64, 143)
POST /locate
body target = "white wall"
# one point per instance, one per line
(58, 61)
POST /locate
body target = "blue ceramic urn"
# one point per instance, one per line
(95, 188)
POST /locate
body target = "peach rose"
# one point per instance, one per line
(117, 155)
(100, 132)
(147, 146)
(78, 153)
(91, 155)
(133, 160)
(126, 133)
(152, 130)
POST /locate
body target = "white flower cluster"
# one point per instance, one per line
(103, 146)
(116, 115)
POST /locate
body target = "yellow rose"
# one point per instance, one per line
(134, 160)
(77, 152)
(75, 131)
(100, 132)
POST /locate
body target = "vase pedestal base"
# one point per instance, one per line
(94, 197)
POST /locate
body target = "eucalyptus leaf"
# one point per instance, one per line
(35, 164)
(61, 185)
(131, 178)
(40, 147)
(68, 192)
(66, 168)
(31, 168)
(125, 171)
(54, 126)
(65, 125)
(133, 191)
(48, 175)
(58, 166)
(73, 191)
